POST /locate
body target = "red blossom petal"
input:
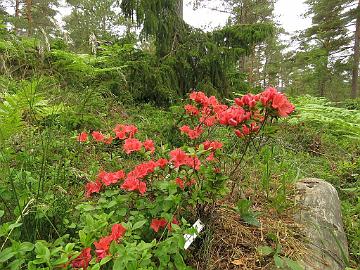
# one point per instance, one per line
(83, 260)
(82, 137)
(132, 145)
(117, 231)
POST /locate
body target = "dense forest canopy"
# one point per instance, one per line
(247, 53)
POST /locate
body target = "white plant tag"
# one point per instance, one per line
(189, 238)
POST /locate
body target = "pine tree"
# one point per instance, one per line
(91, 17)
(355, 68)
(329, 35)
(158, 19)
(261, 64)
(34, 16)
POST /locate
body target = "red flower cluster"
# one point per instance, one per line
(192, 133)
(122, 132)
(191, 110)
(212, 145)
(92, 187)
(156, 224)
(181, 183)
(178, 157)
(82, 137)
(106, 178)
(133, 179)
(125, 131)
(83, 260)
(247, 112)
(149, 146)
(103, 245)
(278, 101)
(110, 178)
(132, 145)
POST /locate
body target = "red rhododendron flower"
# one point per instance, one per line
(92, 187)
(156, 224)
(245, 130)
(124, 131)
(142, 187)
(208, 120)
(98, 136)
(142, 170)
(82, 137)
(180, 183)
(149, 146)
(247, 100)
(211, 157)
(191, 110)
(192, 133)
(132, 145)
(102, 246)
(268, 95)
(162, 162)
(233, 116)
(185, 129)
(239, 133)
(193, 162)
(213, 101)
(110, 178)
(83, 260)
(282, 105)
(191, 182)
(120, 174)
(200, 97)
(132, 184)
(108, 140)
(213, 145)
(117, 231)
(178, 157)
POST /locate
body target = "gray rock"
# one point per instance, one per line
(320, 215)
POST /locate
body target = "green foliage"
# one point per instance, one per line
(324, 114)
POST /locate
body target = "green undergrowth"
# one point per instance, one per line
(44, 168)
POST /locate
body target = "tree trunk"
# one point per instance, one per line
(355, 70)
(180, 8)
(17, 13)
(29, 16)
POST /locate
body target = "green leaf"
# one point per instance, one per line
(139, 224)
(42, 251)
(69, 247)
(179, 262)
(6, 254)
(14, 225)
(251, 219)
(105, 260)
(264, 250)
(61, 261)
(2, 212)
(26, 246)
(293, 265)
(279, 263)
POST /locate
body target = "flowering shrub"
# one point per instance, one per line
(151, 205)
